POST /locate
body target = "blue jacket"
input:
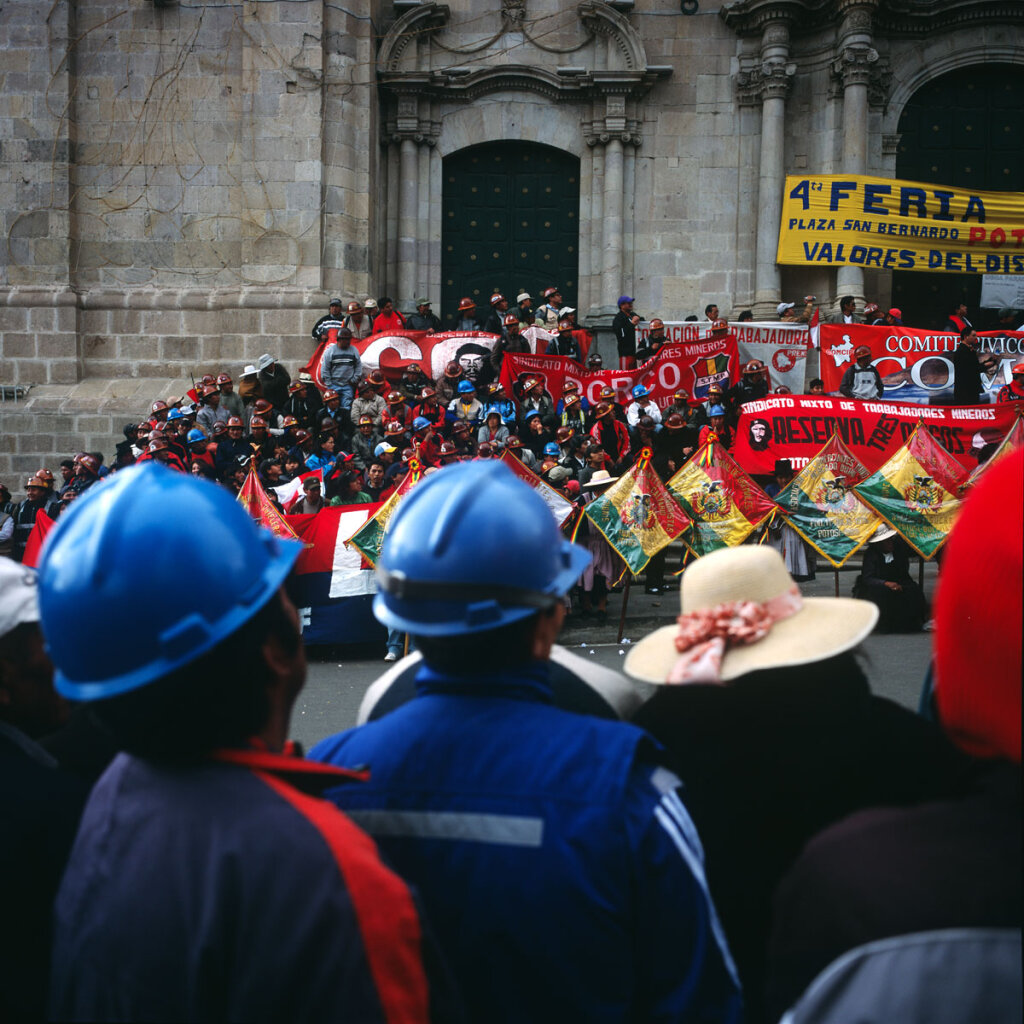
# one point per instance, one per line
(558, 867)
(225, 891)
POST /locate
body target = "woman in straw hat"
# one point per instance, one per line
(774, 730)
(598, 576)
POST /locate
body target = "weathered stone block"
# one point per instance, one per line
(17, 346)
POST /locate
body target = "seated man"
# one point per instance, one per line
(886, 581)
(208, 881)
(561, 871)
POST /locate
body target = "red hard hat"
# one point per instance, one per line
(235, 421)
(329, 395)
(158, 406)
(257, 421)
(395, 398)
(754, 366)
(91, 463)
(224, 378)
(511, 319)
(1019, 368)
(394, 429)
(467, 303)
(262, 407)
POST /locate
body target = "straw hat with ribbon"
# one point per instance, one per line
(742, 612)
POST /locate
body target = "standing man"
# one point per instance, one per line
(358, 322)
(711, 311)
(967, 369)
(208, 796)
(861, 379)
(341, 367)
(958, 318)
(496, 317)
(465, 318)
(332, 318)
(847, 312)
(511, 340)
(547, 314)
(423, 319)
(524, 310)
(624, 325)
(558, 837)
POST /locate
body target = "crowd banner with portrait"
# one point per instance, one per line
(781, 347)
(693, 366)
(723, 503)
(916, 364)
(796, 427)
(835, 220)
(917, 492)
(822, 506)
(392, 351)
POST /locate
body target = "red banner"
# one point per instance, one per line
(694, 366)
(797, 427)
(915, 363)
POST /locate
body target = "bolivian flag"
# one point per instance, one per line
(1013, 440)
(917, 492)
(726, 506)
(258, 504)
(367, 540)
(637, 516)
(821, 505)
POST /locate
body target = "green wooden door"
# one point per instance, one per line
(964, 129)
(511, 223)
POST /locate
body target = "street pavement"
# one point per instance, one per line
(339, 677)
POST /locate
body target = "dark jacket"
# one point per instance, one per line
(966, 376)
(39, 810)
(885, 872)
(227, 891)
(625, 334)
(775, 757)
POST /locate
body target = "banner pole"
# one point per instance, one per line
(920, 574)
(836, 574)
(625, 601)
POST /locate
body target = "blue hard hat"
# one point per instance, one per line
(420, 423)
(131, 538)
(551, 448)
(175, 414)
(640, 391)
(531, 414)
(195, 434)
(472, 548)
(716, 410)
(465, 386)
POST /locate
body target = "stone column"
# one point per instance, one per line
(611, 267)
(772, 81)
(408, 217)
(853, 68)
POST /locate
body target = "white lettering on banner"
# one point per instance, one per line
(972, 414)
(304, 618)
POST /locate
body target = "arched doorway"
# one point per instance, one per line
(964, 128)
(510, 216)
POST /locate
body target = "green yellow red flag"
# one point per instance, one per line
(367, 540)
(821, 505)
(257, 503)
(725, 505)
(637, 515)
(917, 492)
(1014, 439)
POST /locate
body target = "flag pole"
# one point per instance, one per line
(837, 582)
(625, 602)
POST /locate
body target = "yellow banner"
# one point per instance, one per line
(851, 219)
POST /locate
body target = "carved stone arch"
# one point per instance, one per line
(932, 66)
(424, 19)
(603, 20)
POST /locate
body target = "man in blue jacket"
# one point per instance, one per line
(560, 869)
(208, 881)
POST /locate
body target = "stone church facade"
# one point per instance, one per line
(183, 185)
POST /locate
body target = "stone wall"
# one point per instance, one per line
(183, 186)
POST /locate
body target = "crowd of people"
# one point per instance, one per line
(508, 835)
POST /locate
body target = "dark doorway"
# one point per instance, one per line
(965, 128)
(511, 224)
